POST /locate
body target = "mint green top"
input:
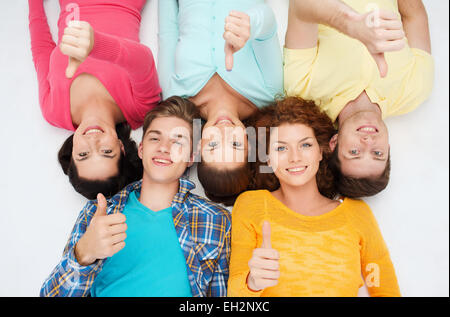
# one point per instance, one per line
(151, 264)
(191, 49)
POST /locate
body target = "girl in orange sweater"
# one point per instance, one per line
(290, 237)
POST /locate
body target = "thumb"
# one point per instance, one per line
(266, 244)
(381, 63)
(72, 67)
(101, 206)
(229, 60)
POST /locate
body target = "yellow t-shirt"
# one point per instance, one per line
(326, 255)
(340, 68)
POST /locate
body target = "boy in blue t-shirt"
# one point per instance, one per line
(155, 237)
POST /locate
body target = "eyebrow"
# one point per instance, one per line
(359, 157)
(154, 131)
(104, 155)
(304, 139)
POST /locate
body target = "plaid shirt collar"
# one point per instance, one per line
(119, 200)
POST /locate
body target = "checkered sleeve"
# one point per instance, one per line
(218, 285)
(69, 278)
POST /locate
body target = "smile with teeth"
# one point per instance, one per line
(91, 131)
(296, 169)
(161, 161)
(369, 129)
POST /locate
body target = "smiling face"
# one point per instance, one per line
(165, 149)
(96, 152)
(294, 154)
(224, 143)
(363, 148)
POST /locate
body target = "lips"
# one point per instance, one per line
(296, 170)
(92, 130)
(369, 129)
(223, 120)
(160, 161)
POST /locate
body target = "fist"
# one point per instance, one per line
(77, 43)
(380, 31)
(104, 236)
(236, 35)
(264, 266)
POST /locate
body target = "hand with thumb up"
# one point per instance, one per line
(77, 43)
(104, 236)
(264, 266)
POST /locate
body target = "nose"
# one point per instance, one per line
(164, 146)
(294, 156)
(367, 139)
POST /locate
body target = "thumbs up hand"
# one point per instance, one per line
(104, 236)
(264, 266)
(236, 35)
(77, 43)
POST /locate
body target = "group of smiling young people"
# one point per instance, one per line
(291, 139)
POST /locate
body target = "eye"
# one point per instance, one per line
(306, 145)
(237, 144)
(378, 153)
(107, 151)
(153, 139)
(83, 154)
(280, 148)
(354, 152)
(213, 145)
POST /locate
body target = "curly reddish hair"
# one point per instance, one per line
(294, 110)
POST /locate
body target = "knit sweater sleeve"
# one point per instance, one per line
(376, 265)
(42, 45)
(136, 59)
(243, 242)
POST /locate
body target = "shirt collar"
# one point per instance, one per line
(119, 200)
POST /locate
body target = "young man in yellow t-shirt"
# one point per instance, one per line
(360, 61)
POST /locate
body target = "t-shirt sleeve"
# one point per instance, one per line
(298, 65)
(417, 83)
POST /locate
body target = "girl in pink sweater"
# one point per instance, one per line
(99, 82)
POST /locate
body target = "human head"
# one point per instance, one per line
(305, 132)
(106, 175)
(361, 155)
(223, 170)
(354, 187)
(166, 149)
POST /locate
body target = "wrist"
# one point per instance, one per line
(81, 256)
(345, 20)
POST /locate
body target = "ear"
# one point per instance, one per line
(122, 147)
(140, 150)
(333, 142)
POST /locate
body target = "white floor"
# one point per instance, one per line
(38, 206)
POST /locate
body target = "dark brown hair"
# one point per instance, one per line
(173, 107)
(129, 166)
(294, 110)
(358, 187)
(225, 185)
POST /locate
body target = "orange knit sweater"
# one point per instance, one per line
(327, 255)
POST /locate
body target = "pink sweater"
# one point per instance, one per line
(124, 66)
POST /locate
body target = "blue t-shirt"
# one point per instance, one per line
(151, 264)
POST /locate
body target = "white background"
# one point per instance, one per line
(38, 206)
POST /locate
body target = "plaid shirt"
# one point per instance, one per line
(203, 229)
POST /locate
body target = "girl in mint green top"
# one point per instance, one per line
(191, 49)
(195, 40)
